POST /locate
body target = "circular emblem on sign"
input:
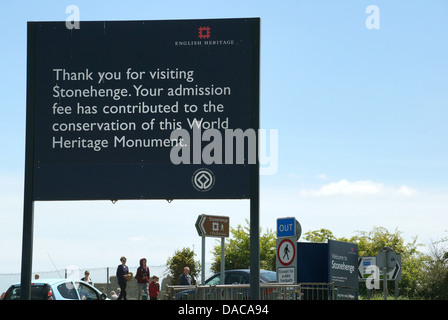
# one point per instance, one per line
(203, 179)
(286, 252)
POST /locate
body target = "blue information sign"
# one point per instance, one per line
(286, 227)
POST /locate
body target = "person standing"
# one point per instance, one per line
(122, 271)
(185, 278)
(142, 277)
(154, 288)
(87, 277)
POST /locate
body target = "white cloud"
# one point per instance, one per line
(361, 187)
(322, 176)
(406, 191)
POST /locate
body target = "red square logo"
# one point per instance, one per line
(204, 32)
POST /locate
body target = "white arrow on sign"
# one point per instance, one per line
(212, 226)
(395, 273)
(200, 225)
(364, 262)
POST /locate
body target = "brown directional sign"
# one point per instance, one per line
(212, 226)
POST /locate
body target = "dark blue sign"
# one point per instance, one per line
(312, 262)
(104, 100)
(333, 262)
(286, 227)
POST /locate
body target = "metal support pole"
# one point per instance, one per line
(255, 170)
(385, 283)
(396, 289)
(107, 279)
(27, 250)
(254, 242)
(28, 203)
(203, 261)
(223, 265)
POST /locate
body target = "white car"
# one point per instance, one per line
(57, 289)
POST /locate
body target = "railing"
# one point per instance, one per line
(268, 291)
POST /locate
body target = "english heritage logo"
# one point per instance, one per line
(204, 33)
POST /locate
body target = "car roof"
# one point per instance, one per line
(245, 270)
(239, 270)
(50, 281)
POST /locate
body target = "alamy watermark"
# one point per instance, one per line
(229, 146)
(373, 20)
(73, 274)
(373, 280)
(72, 21)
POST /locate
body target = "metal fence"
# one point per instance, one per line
(268, 291)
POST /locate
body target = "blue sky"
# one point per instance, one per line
(361, 117)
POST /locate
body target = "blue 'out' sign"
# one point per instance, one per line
(288, 227)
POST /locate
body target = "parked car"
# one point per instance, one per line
(241, 276)
(237, 276)
(57, 289)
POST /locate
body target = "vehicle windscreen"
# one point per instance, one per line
(38, 292)
(268, 276)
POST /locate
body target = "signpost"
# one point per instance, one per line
(366, 264)
(286, 260)
(121, 110)
(386, 261)
(386, 265)
(213, 226)
(288, 232)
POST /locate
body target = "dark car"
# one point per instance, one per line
(241, 276)
(232, 277)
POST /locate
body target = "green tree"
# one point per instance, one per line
(180, 259)
(321, 235)
(237, 249)
(434, 279)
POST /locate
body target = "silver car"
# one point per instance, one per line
(57, 289)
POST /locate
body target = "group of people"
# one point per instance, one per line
(142, 276)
